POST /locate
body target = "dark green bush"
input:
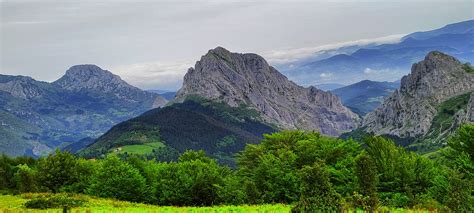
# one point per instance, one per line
(59, 201)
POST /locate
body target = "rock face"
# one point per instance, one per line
(21, 86)
(410, 110)
(92, 77)
(248, 79)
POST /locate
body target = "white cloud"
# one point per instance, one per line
(325, 75)
(154, 75)
(295, 54)
(369, 71)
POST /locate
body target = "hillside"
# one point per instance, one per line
(364, 96)
(85, 102)
(195, 124)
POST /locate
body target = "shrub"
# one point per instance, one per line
(317, 193)
(118, 179)
(57, 201)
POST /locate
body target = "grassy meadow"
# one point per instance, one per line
(16, 203)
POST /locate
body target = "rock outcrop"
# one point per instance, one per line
(410, 110)
(22, 86)
(248, 79)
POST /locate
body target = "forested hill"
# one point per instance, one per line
(195, 124)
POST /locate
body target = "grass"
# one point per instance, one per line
(15, 203)
(140, 149)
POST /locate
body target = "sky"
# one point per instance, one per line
(151, 44)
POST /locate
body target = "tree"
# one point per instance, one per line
(317, 193)
(367, 181)
(57, 170)
(118, 179)
(463, 140)
(191, 155)
(459, 195)
(194, 181)
(25, 179)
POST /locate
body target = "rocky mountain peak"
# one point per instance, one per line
(409, 111)
(248, 79)
(90, 77)
(23, 87)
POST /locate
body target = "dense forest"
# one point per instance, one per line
(310, 171)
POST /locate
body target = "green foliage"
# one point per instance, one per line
(460, 194)
(317, 193)
(367, 181)
(191, 182)
(57, 170)
(118, 179)
(311, 171)
(278, 159)
(57, 201)
(193, 156)
(405, 178)
(25, 179)
(463, 140)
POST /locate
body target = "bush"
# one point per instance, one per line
(58, 201)
(118, 179)
(317, 193)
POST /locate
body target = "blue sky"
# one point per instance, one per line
(151, 44)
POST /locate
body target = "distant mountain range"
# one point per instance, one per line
(231, 99)
(166, 94)
(365, 96)
(37, 117)
(386, 62)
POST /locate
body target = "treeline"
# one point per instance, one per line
(310, 171)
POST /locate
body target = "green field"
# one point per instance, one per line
(12, 204)
(139, 149)
(16, 203)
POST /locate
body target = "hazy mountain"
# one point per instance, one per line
(85, 102)
(364, 96)
(329, 87)
(430, 102)
(247, 79)
(387, 61)
(166, 94)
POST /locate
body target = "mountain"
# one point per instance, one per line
(385, 62)
(329, 87)
(431, 101)
(247, 79)
(457, 28)
(38, 116)
(167, 95)
(197, 124)
(364, 96)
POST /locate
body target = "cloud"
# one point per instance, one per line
(369, 71)
(154, 75)
(295, 54)
(325, 75)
